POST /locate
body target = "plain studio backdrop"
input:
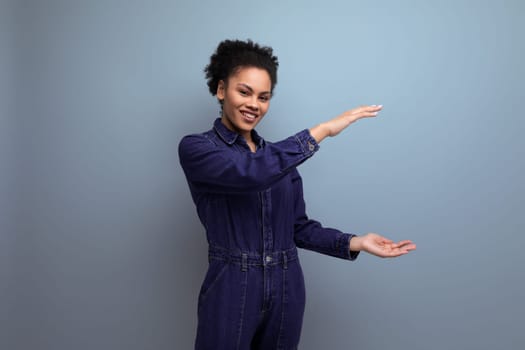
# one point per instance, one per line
(100, 244)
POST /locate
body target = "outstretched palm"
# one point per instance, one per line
(384, 247)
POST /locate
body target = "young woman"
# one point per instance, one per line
(249, 197)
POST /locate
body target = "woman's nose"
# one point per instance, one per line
(252, 103)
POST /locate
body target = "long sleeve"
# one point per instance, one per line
(213, 167)
(311, 235)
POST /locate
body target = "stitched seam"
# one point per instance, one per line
(210, 138)
(283, 301)
(299, 141)
(243, 303)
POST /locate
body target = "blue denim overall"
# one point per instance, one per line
(251, 204)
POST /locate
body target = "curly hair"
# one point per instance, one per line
(234, 54)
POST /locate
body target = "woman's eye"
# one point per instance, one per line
(264, 98)
(243, 92)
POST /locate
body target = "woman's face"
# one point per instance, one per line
(246, 99)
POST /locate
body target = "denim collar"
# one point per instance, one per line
(230, 137)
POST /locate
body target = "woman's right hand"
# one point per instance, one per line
(334, 126)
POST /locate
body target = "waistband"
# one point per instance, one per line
(246, 259)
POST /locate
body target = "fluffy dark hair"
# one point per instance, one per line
(234, 54)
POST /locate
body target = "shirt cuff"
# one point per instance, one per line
(307, 142)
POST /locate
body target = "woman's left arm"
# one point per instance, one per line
(310, 234)
(380, 246)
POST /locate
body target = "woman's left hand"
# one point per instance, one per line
(380, 246)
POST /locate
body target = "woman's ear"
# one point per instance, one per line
(221, 90)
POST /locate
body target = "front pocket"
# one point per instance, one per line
(216, 270)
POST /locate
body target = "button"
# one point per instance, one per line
(311, 147)
(268, 259)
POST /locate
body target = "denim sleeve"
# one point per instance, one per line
(311, 235)
(214, 168)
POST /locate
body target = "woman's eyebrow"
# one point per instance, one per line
(250, 88)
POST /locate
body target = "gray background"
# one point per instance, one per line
(100, 244)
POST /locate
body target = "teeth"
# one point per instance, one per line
(248, 115)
